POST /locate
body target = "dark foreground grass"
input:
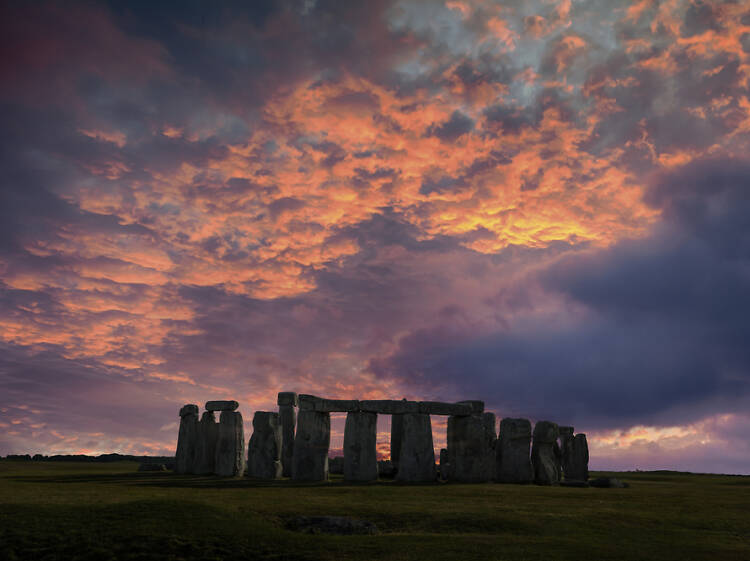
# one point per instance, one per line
(109, 511)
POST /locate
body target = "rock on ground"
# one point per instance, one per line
(340, 525)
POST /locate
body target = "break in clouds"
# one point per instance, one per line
(539, 204)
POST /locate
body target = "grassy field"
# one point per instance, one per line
(110, 511)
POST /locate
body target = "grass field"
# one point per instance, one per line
(110, 511)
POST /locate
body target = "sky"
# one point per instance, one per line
(544, 205)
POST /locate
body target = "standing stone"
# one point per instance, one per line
(512, 459)
(397, 429)
(230, 448)
(310, 458)
(264, 450)
(187, 439)
(545, 454)
(416, 460)
(287, 402)
(578, 460)
(471, 441)
(566, 448)
(360, 451)
(443, 464)
(208, 436)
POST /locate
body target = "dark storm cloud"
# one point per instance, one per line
(456, 126)
(665, 326)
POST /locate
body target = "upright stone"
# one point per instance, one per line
(187, 439)
(443, 464)
(264, 450)
(471, 441)
(397, 430)
(416, 461)
(360, 452)
(310, 458)
(230, 448)
(545, 454)
(578, 460)
(512, 452)
(566, 448)
(287, 402)
(208, 436)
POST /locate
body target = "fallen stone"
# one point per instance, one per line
(310, 458)
(322, 405)
(608, 482)
(221, 405)
(416, 461)
(438, 408)
(230, 448)
(205, 451)
(187, 439)
(471, 441)
(512, 452)
(339, 525)
(189, 409)
(336, 465)
(386, 469)
(573, 483)
(264, 450)
(545, 454)
(360, 447)
(389, 406)
(287, 398)
(147, 466)
(288, 419)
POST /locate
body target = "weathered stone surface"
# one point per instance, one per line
(336, 465)
(444, 464)
(512, 452)
(416, 461)
(310, 458)
(322, 405)
(187, 439)
(389, 406)
(386, 469)
(227, 405)
(264, 450)
(205, 450)
(565, 431)
(576, 459)
(287, 398)
(189, 409)
(477, 406)
(340, 525)
(608, 482)
(360, 453)
(397, 429)
(545, 454)
(439, 408)
(288, 419)
(471, 442)
(230, 448)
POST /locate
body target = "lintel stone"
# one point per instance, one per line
(439, 408)
(322, 405)
(389, 406)
(227, 405)
(477, 406)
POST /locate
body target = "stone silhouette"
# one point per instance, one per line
(360, 453)
(471, 446)
(545, 454)
(577, 468)
(512, 460)
(187, 439)
(416, 461)
(310, 458)
(205, 451)
(230, 448)
(287, 401)
(264, 450)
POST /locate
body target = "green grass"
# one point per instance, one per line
(109, 511)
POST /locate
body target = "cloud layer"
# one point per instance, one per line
(539, 204)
